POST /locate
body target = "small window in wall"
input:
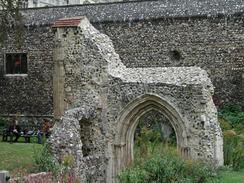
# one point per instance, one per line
(1, 72)
(175, 55)
(16, 63)
(24, 4)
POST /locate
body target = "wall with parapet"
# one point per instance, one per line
(206, 34)
(104, 100)
(216, 45)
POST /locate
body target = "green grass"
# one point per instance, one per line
(17, 158)
(232, 176)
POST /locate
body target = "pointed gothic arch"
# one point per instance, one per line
(128, 121)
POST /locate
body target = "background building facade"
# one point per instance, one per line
(144, 34)
(43, 3)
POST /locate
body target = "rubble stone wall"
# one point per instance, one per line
(145, 34)
(30, 94)
(215, 45)
(106, 99)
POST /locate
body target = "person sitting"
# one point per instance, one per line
(14, 130)
(39, 136)
(44, 130)
(27, 135)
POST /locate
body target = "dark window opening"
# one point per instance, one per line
(16, 63)
(24, 4)
(175, 55)
(1, 72)
(86, 137)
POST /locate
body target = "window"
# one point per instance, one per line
(35, 3)
(175, 55)
(24, 3)
(16, 63)
(1, 71)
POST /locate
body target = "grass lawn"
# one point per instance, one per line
(17, 158)
(232, 176)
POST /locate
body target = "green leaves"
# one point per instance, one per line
(231, 120)
(166, 166)
(233, 114)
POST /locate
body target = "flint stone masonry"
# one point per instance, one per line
(138, 10)
(215, 45)
(206, 34)
(101, 101)
(29, 94)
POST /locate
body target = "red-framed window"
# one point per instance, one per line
(16, 63)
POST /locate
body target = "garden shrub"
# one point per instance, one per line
(167, 168)
(200, 172)
(224, 124)
(162, 164)
(233, 114)
(231, 120)
(134, 175)
(147, 140)
(45, 161)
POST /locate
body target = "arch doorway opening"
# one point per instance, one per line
(153, 135)
(128, 128)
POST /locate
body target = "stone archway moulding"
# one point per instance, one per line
(95, 81)
(128, 120)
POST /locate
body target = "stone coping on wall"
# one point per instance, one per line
(135, 10)
(23, 115)
(178, 76)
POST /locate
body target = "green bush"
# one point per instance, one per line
(134, 175)
(224, 124)
(45, 161)
(233, 114)
(168, 168)
(164, 168)
(233, 150)
(200, 172)
(157, 161)
(147, 141)
(231, 120)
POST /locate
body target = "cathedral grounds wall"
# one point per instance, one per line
(144, 34)
(102, 107)
(31, 94)
(216, 45)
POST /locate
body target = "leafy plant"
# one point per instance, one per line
(233, 114)
(135, 175)
(45, 161)
(231, 120)
(157, 161)
(168, 168)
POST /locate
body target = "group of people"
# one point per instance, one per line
(14, 130)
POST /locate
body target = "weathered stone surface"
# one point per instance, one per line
(31, 94)
(104, 100)
(213, 43)
(130, 11)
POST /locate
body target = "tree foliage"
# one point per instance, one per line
(11, 20)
